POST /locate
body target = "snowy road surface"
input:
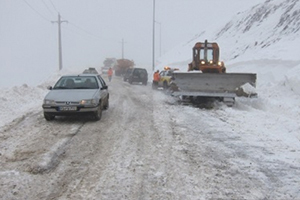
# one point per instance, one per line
(148, 147)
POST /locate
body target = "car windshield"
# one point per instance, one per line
(76, 82)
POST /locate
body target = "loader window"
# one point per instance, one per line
(209, 54)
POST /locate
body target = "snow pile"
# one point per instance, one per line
(292, 79)
(18, 100)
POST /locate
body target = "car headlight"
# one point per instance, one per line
(210, 62)
(49, 102)
(202, 62)
(220, 63)
(88, 102)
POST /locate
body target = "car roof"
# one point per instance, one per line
(80, 75)
(138, 68)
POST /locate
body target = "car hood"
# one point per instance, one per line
(71, 95)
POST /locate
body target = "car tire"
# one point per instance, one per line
(98, 113)
(165, 85)
(49, 117)
(107, 104)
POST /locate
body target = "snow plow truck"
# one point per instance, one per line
(207, 79)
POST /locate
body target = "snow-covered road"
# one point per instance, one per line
(148, 147)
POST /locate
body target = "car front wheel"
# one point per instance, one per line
(165, 85)
(107, 104)
(130, 81)
(49, 117)
(98, 113)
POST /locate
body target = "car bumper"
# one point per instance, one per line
(69, 110)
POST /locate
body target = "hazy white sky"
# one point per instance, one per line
(95, 29)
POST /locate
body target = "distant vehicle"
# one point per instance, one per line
(209, 79)
(90, 70)
(77, 95)
(122, 65)
(104, 70)
(138, 75)
(127, 73)
(166, 77)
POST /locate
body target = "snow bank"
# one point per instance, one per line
(18, 100)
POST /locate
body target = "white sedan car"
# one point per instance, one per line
(77, 94)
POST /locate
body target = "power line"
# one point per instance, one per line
(36, 11)
(54, 6)
(88, 33)
(47, 7)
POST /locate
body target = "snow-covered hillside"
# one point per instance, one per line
(147, 146)
(269, 30)
(266, 31)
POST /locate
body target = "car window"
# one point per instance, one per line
(169, 73)
(140, 71)
(102, 82)
(129, 71)
(77, 82)
(143, 71)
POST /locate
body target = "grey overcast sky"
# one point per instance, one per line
(95, 29)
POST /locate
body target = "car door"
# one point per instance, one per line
(162, 78)
(103, 92)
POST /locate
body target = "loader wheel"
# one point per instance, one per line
(173, 87)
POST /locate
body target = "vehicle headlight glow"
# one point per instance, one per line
(49, 102)
(210, 62)
(220, 63)
(88, 102)
(203, 62)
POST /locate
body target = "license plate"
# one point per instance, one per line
(68, 108)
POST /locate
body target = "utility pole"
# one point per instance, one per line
(59, 21)
(123, 48)
(153, 38)
(159, 37)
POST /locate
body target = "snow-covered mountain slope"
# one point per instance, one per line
(269, 30)
(256, 33)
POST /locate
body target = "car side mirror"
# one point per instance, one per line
(49, 88)
(105, 87)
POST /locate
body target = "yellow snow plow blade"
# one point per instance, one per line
(214, 85)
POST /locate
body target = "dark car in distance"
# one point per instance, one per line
(90, 70)
(127, 73)
(136, 75)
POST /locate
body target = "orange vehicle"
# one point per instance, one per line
(207, 79)
(206, 58)
(166, 77)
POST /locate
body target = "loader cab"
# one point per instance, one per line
(206, 58)
(208, 52)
